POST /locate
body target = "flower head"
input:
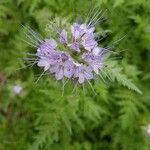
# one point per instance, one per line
(74, 53)
(77, 57)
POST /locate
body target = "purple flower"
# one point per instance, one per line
(16, 89)
(59, 58)
(47, 60)
(82, 36)
(46, 47)
(94, 59)
(97, 51)
(83, 73)
(88, 41)
(78, 30)
(64, 67)
(44, 63)
(69, 69)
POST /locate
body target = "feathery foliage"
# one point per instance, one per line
(40, 118)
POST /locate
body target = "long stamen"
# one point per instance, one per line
(74, 87)
(89, 14)
(39, 77)
(83, 88)
(24, 67)
(32, 40)
(33, 34)
(29, 43)
(95, 18)
(98, 19)
(95, 15)
(115, 43)
(92, 87)
(101, 76)
(63, 86)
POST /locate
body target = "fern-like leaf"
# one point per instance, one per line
(114, 72)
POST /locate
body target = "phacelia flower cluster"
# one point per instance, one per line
(74, 54)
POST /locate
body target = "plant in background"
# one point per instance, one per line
(116, 118)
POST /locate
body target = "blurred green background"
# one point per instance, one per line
(39, 118)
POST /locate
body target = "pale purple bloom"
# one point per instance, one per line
(88, 41)
(64, 67)
(78, 30)
(83, 36)
(86, 29)
(44, 63)
(45, 48)
(83, 73)
(95, 61)
(98, 51)
(75, 55)
(16, 89)
(47, 60)
(69, 69)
